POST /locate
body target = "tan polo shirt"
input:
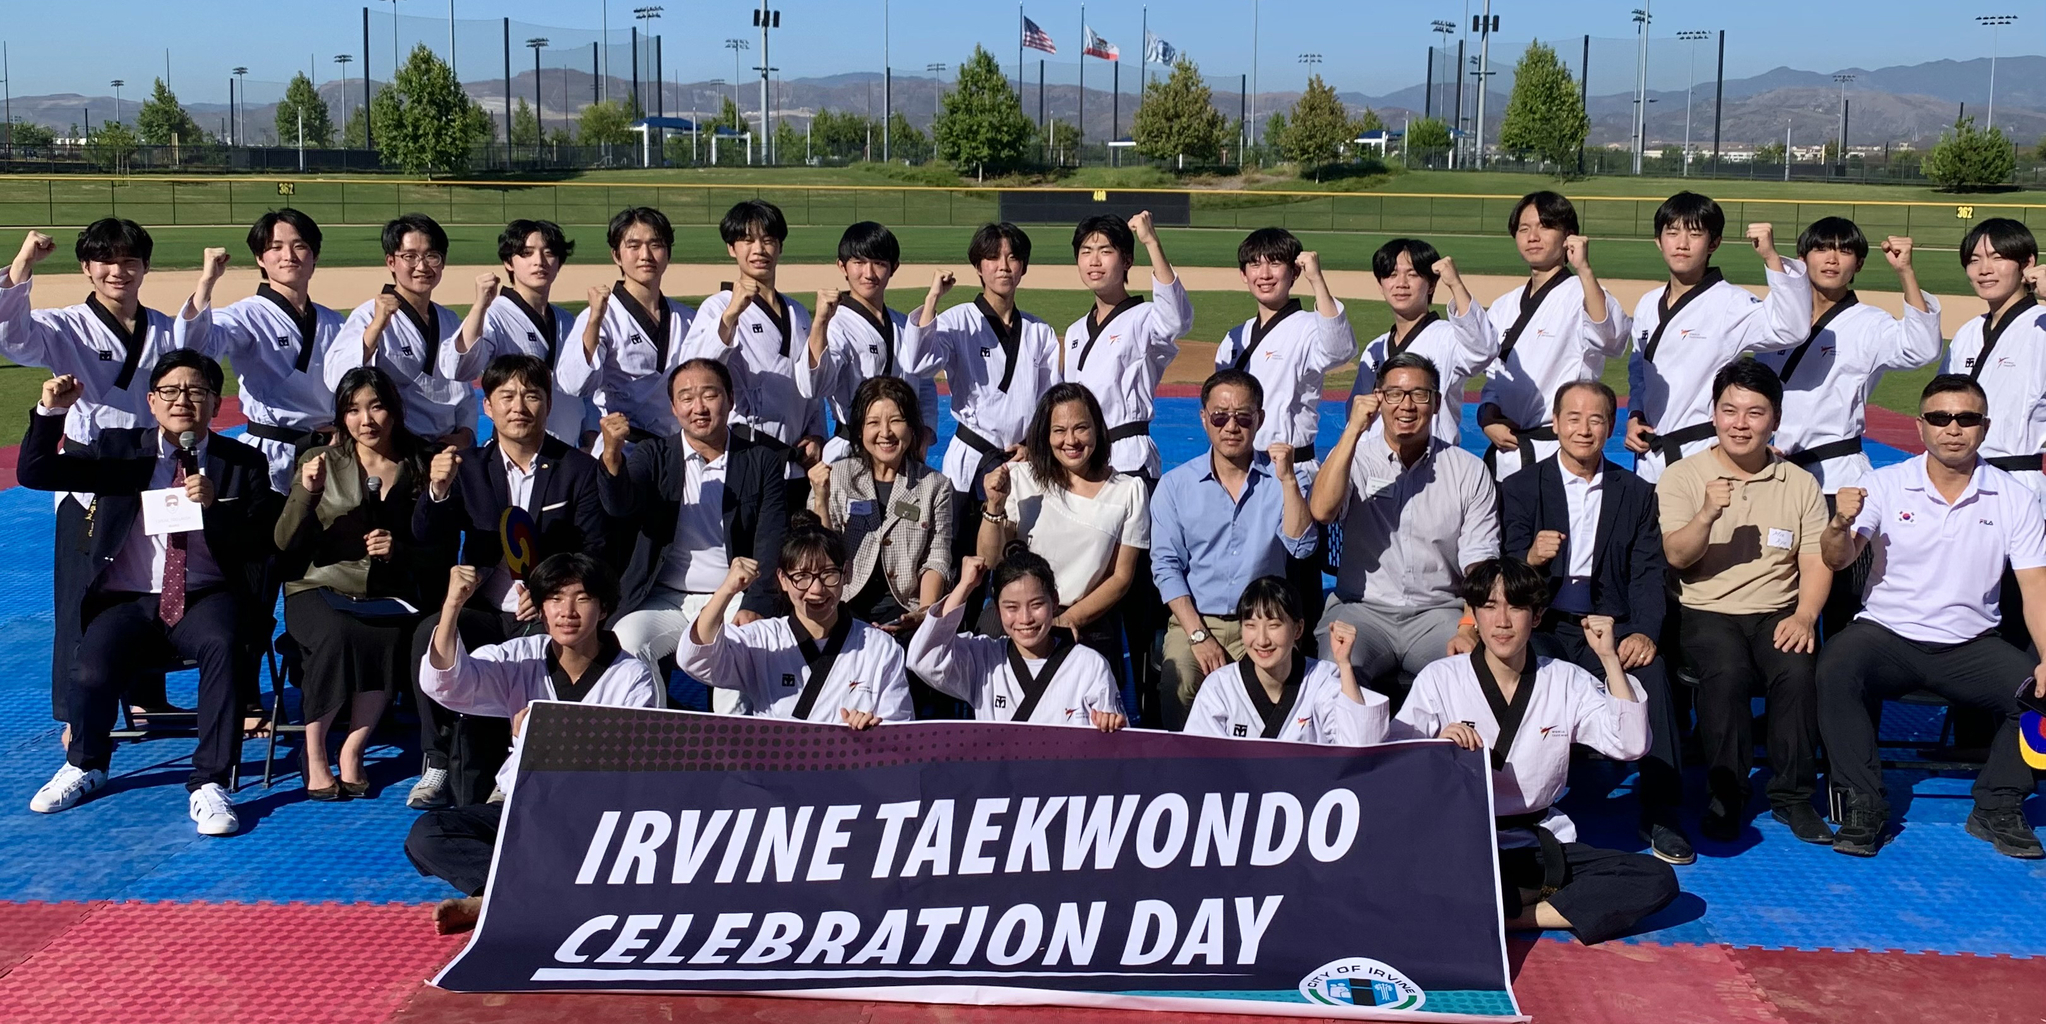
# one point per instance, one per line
(1750, 563)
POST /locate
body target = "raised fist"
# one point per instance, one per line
(1598, 634)
(1718, 497)
(1577, 251)
(996, 484)
(1282, 459)
(462, 583)
(599, 297)
(1763, 236)
(820, 476)
(312, 475)
(1897, 249)
(827, 303)
(1847, 504)
(1309, 264)
(972, 570)
(213, 263)
(1547, 545)
(37, 247)
(1342, 637)
(386, 305)
(1363, 406)
(942, 282)
(440, 475)
(741, 575)
(616, 428)
(62, 392)
(1140, 226)
(487, 287)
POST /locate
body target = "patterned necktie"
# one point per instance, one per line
(171, 606)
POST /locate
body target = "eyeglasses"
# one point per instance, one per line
(1219, 419)
(831, 578)
(1400, 396)
(431, 259)
(1965, 419)
(172, 392)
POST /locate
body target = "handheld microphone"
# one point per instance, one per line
(373, 489)
(188, 448)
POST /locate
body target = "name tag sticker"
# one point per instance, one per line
(908, 510)
(1779, 538)
(860, 507)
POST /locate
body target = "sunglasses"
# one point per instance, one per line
(1246, 420)
(1965, 419)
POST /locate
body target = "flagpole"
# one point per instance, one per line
(1019, 51)
(1082, 116)
(1144, 52)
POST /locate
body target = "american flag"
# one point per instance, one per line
(1036, 38)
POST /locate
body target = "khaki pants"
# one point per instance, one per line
(1180, 675)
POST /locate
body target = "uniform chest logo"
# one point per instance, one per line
(757, 329)
(1001, 700)
(106, 357)
(986, 353)
(1071, 711)
(1546, 730)
(1906, 517)
(873, 349)
(283, 342)
(1302, 720)
(1239, 730)
(1986, 522)
(533, 337)
(788, 679)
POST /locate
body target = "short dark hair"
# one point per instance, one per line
(1586, 384)
(183, 358)
(1552, 210)
(750, 216)
(513, 241)
(1749, 375)
(1691, 210)
(1021, 563)
(1234, 378)
(808, 539)
(1836, 233)
(1111, 227)
(2009, 239)
(1950, 382)
(1269, 597)
(888, 389)
(871, 241)
(398, 227)
(723, 372)
(987, 243)
(112, 239)
(532, 370)
(1268, 244)
(1044, 463)
(558, 570)
(614, 236)
(1411, 361)
(1525, 587)
(265, 229)
(1422, 255)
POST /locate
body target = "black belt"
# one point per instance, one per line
(640, 435)
(991, 456)
(2014, 463)
(1525, 449)
(845, 431)
(1303, 453)
(1671, 445)
(1127, 430)
(1553, 864)
(299, 439)
(1830, 450)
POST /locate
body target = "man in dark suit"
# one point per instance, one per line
(135, 594)
(467, 494)
(693, 501)
(1591, 526)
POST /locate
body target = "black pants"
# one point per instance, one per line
(1869, 663)
(966, 509)
(455, 844)
(1604, 893)
(1843, 602)
(1662, 785)
(123, 637)
(470, 747)
(1733, 654)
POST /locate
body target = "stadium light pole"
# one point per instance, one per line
(1841, 153)
(1995, 24)
(736, 46)
(1487, 25)
(1693, 38)
(240, 123)
(344, 60)
(644, 15)
(117, 84)
(1445, 29)
(937, 88)
(1310, 59)
(537, 43)
(1253, 71)
(888, 90)
(1641, 19)
(604, 29)
(394, 38)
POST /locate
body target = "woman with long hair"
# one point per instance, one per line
(894, 510)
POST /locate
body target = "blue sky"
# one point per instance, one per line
(1372, 46)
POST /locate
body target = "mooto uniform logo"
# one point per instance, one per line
(1362, 981)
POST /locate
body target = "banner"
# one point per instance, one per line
(964, 862)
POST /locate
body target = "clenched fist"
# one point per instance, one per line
(598, 297)
(440, 475)
(1577, 251)
(312, 475)
(213, 263)
(1309, 264)
(1282, 459)
(1598, 635)
(1547, 545)
(741, 575)
(386, 306)
(616, 429)
(1363, 407)
(827, 304)
(1763, 236)
(1897, 250)
(462, 583)
(487, 287)
(1847, 505)
(1718, 498)
(1140, 226)
(62, 392)
(996, 484)
(36, 248)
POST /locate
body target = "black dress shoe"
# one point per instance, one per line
(325, 794)
(1719, 824)
(1804, 823)
(355, 790)
(1667, 842)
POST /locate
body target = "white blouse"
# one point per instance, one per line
(1079, 536)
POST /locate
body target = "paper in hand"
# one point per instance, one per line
(170, 510)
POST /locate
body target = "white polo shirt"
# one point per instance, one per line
(1938, 568)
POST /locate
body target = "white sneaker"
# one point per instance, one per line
(430, 791)
(66, 788)
(213, 810)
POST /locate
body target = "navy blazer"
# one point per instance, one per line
(568, 513)
(648, 496)
(1628, 571)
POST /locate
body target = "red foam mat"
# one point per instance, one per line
(1811, 987)
(1617, 983)
(25, 928)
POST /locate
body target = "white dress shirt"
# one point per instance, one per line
(1825, 396)
(434, 405)
(1938, 568)
(138, 566)
(2015, 380)
(1121, 361)
(763, 662)
(976, 669)
(512, 327)
(1080, 537)
(855, 351)
(1408, 531)
(762, 357)
(498, 590)
(1289, 356)
(696, 561)
(281, 361)
(629, 373)
(1557, 345)
(993, 393)
(1228, 707)
(86, 342)
(1461, 347)
(1586, 498)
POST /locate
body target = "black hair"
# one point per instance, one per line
(1836, 233)
(1525, 587)
(1411, 361)
(513, 241)
(1950, 382)
(1587, 384)
(1268, 244)
(808, 539)
(1269, 597)
(2009, 239)
(987, 243)
(723, 372)
(1111, 227)
(557, 571)
(396, 229)
(1691, 210)
(112, 239)
(1422, 255)
(871, 241)
(179, 358)
(265, 229)
(614, 236)
(886, 389)
(1019, 563)
(1552, 210)
(753, 216)
(1234, 378)
(532, 370)
(1044, 463)
(411, 448)
(1749, 375)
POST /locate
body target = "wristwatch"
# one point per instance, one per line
(1199, 636)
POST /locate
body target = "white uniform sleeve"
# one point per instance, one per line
(345, 353)
(1334, 343)
(724, 662)
(1349, 723)
(891, 697)
(923, 351)
(702, 341)
(468, 365)
(2027, 538)
(1098, 692)
(1476, 343)
(1914, 341)
(1171, 317)
(640, 690)
(1609, 337)
(948, 660)
(573, 373)
(1423, 717)
(193, 332)
(482, 683)
(24, 338)
(1209, 715)
(1605, 723)
(823, 378)
(1783, 320)
(1231, 347)
(228, 336)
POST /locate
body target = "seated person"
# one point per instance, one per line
(1415, 511)
(1274, 692)
(893, 509)
(1943, 525)
(1590, 526)
(1526, 712)
(1035, 673)
(345, 535)
(576, 659)
(148, 596)
(815, 664)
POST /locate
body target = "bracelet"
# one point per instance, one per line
(994, 517)
(1467, 620)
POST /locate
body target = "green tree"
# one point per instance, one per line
(110, 145)
(483, 125)
(1428, 137)
(561, 137)
(1274, 138)
(727, 117)
(319, 122)
(983, 124)
(424, 122)
(788, 143)
(161, 119)
(1966, 158)
(604, 124)
(29, 133)
(841, 134)
(1061, 139)
(1769, 153)
(525, 130)
(906, 141)
(1368, 121)
(1544, 117)
(1317, 129)
(1177, 117)
(2039, 151)
(355, 130)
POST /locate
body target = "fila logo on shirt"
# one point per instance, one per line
(788, 679)
(1239, 730)
(1985, 522)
